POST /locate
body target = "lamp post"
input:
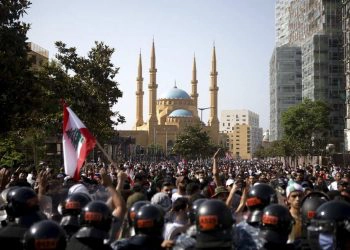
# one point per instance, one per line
(166, 143)
(201, 109)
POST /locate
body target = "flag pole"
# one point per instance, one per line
(105, 153)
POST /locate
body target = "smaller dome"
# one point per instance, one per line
(180, 113)
(175, 93)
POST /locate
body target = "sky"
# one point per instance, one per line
(243, 32)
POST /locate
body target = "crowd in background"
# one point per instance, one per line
(174, 188)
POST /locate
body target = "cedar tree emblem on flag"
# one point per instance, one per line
(77, 143)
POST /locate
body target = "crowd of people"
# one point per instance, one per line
(216, 204)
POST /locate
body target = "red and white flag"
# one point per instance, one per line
(77, 143)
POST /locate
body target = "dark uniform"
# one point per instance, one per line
(276, 225)
(148, 225)
(23, 211)
(214, 223)
(45, 234)
(95, 222)
(71, 208)
(330, 228)
(246, 233)
(309, 205)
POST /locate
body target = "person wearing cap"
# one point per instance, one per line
(221, 193)
(233, 198)
(294, 195)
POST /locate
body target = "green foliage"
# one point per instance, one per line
(306, 126)
(86, 84)
(30, 101)
(16, 80)
(9, 155)
(194, 143)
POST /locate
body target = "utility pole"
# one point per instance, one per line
(201, 109)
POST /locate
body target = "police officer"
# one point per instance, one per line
(276, 224)
(309, 205)
(187, 240)
(214, 223)
(128, 229)
(148, 224)
(71, 209)
(330, 228)
(45, 234)
(95, 223)
(23, 211)
(246, 233)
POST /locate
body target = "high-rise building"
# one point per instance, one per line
(346, 33)
(285, 86)
(315, 27)
(244, 134)
(37, 55)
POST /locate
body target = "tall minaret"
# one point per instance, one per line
(152, 88)
(139, 95)
(194, 83)
(213, 118)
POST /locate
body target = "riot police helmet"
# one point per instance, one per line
(330, 225)
(21, 201)
(74, 203)
(309, 205)
(194, 209)
(214, 222)
(259, 196)
(134, 209)
(276, 224)
(45, 234)
(96, 214)
(149, 220)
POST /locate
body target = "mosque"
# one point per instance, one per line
(170, 113)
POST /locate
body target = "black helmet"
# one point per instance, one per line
(260, 195)
(46, 234)
(74, 203)
(309, 205)
(333, 219)
(149, 220)
(213, 215)
(276, 223)
(71, 209)
(134, 209)
(21, 201)
(96, 214)
(214, 224)
(194, 209)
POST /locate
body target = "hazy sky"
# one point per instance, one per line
(243, 32)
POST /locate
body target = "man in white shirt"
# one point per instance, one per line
(334, 184)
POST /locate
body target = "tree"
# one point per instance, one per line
(194, 143)
(16, 79)
(86, 84)
(306, 126)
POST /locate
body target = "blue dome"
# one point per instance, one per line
(180, 113)
(175, 93)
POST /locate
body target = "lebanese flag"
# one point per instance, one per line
(77, 143)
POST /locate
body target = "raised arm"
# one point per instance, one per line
(216, 170)
(118, 202)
